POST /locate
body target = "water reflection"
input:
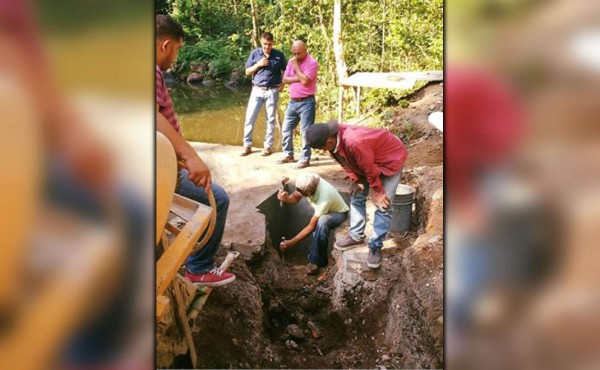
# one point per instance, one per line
(216, 114)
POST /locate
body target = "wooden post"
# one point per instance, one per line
(338, 51)
(255, 32)
(357, 96)
(183, 321)
(340, 103)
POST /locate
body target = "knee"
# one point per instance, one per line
(322, 225)
(221, 197)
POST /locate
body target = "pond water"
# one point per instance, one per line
(216, 115)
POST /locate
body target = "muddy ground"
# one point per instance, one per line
(275, 316)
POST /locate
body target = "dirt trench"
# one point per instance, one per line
(275, 316)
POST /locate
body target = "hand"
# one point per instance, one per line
(199, 173)
(293, 60)
(283, 196)
(356, 188)
(263, 62)
(286, 244)
(381, 200)
(280, 87)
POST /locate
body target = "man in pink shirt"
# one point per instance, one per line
(301, 75)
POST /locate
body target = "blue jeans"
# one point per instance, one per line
(203, 261)
(383, 217)
(317, 253)
(302, 111)
(257, 98)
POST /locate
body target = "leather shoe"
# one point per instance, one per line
(288, 159)
(266, 152)
(247, 150)
(303, 164)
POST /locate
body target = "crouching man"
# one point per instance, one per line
(330, 212)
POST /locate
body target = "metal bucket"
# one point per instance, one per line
(402, 208)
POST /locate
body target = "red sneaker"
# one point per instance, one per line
(215, 277)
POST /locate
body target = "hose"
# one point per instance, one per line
(213, 216)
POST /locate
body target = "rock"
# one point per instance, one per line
(235, 78)
(197, 66)
(194, 78)
(294, 331)
(385, 358)
(170, 78)
(291, 344)
(208, 83)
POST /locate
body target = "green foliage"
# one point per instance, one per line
(219, 56)
(378, 36)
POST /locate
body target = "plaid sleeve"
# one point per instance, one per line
(161, 96)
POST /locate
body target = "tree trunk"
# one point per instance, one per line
(338, 50)
(383, 35)
(330, 63)
(255, 36)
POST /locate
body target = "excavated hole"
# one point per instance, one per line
(298, 320)
(284, 220)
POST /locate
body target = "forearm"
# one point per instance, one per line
(374, 180)
(303, 233)
(293, 198)
(289, 80)
(252, 70)
(301, 77)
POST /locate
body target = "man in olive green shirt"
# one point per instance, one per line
(330, 212)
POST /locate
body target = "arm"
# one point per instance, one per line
(287, 75)
(312, 225)
(366, 163)
(199, 173)
(289, 198)
(300, 76)
(304, 79)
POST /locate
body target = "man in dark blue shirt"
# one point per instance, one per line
(265, 65)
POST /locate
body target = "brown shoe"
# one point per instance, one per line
(287, 159)
(303, 164)
(247, 150)
(266, 152)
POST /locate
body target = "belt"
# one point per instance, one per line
(266, 87)
(302, 99)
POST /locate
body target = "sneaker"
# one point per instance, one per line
(374, 258)
(312, 269)
(347, 243)
(266, 152)
(303, 164)
(215, 277)
(286, 159)
(247, 150)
